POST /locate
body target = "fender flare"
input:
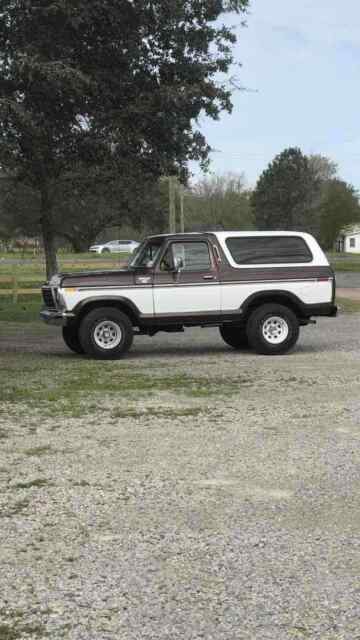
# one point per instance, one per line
(118, 300)
(274, 295)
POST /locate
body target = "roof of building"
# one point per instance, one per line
(351, 230)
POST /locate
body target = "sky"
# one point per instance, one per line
(301, 70)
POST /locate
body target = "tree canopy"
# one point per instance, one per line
(287, 194)
(221, 202)
(339, 208)
(108, 81)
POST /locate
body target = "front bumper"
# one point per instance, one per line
(57, 318)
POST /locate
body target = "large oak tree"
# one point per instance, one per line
(107, 81)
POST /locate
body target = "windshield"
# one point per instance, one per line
(146, 254)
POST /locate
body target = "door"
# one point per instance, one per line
(186, 281)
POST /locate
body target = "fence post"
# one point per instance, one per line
(15, 287)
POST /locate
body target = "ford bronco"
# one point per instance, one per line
(257, 287)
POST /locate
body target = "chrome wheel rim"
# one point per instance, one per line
(107, 334)
(275, 330)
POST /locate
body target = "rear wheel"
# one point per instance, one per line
(273, 329)
(71, 339)
(106, 333)
(235, 337)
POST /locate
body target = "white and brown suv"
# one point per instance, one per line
(257, 287)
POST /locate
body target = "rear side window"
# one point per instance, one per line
(269, 250)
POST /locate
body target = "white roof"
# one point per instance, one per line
(236, 234)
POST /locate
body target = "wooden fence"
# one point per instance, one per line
(16, 281)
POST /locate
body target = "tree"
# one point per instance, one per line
(322, 167)
(219, 202)
(287, 194)
(90, 202)
(339, 208)
(19, 210)
(107, 81)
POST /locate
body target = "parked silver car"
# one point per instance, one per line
(116, 246)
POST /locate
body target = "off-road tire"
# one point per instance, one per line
(71, 339)
(235, 337)
(272, 329)
(109, 327)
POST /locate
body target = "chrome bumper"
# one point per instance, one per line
(57, 318)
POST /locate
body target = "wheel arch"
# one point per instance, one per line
(122, 304)
(275, 296)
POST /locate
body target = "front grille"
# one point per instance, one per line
(48, 297)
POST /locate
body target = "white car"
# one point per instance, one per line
(115, 246)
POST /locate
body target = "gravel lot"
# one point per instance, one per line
(225, 516)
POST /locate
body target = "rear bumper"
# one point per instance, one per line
(327, 309)
(56, 318)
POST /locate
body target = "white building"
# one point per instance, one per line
(349, 240)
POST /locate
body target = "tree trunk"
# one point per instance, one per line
(48, 235)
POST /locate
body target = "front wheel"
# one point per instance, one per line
(106, 333)
(272, 329)
(235, 337)
(71, 339)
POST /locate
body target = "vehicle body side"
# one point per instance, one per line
(223, 292)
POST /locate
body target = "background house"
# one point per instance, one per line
(349, 240)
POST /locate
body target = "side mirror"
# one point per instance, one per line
(179, 264)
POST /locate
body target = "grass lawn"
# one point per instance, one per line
(352, 265)
(25, 311)
(346, 305)
(344, 261)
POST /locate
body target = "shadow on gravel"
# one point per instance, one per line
(328, 335)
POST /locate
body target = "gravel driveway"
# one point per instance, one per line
(230, 516)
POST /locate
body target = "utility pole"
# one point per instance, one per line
(172, 204)
(182, 219)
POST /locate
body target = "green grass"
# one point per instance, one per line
(58, 387)
(36, 452)
(26, 310)
(348, 306)
(16, 631)
(346, 266)
(344, 261)
(14, 509)
(38, 483)
(341, 254)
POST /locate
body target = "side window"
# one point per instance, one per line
(269, 250)
(194, 255)
(352, 243)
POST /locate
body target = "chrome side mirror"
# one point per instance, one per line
(179, 264)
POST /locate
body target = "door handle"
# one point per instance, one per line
(208, 277)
